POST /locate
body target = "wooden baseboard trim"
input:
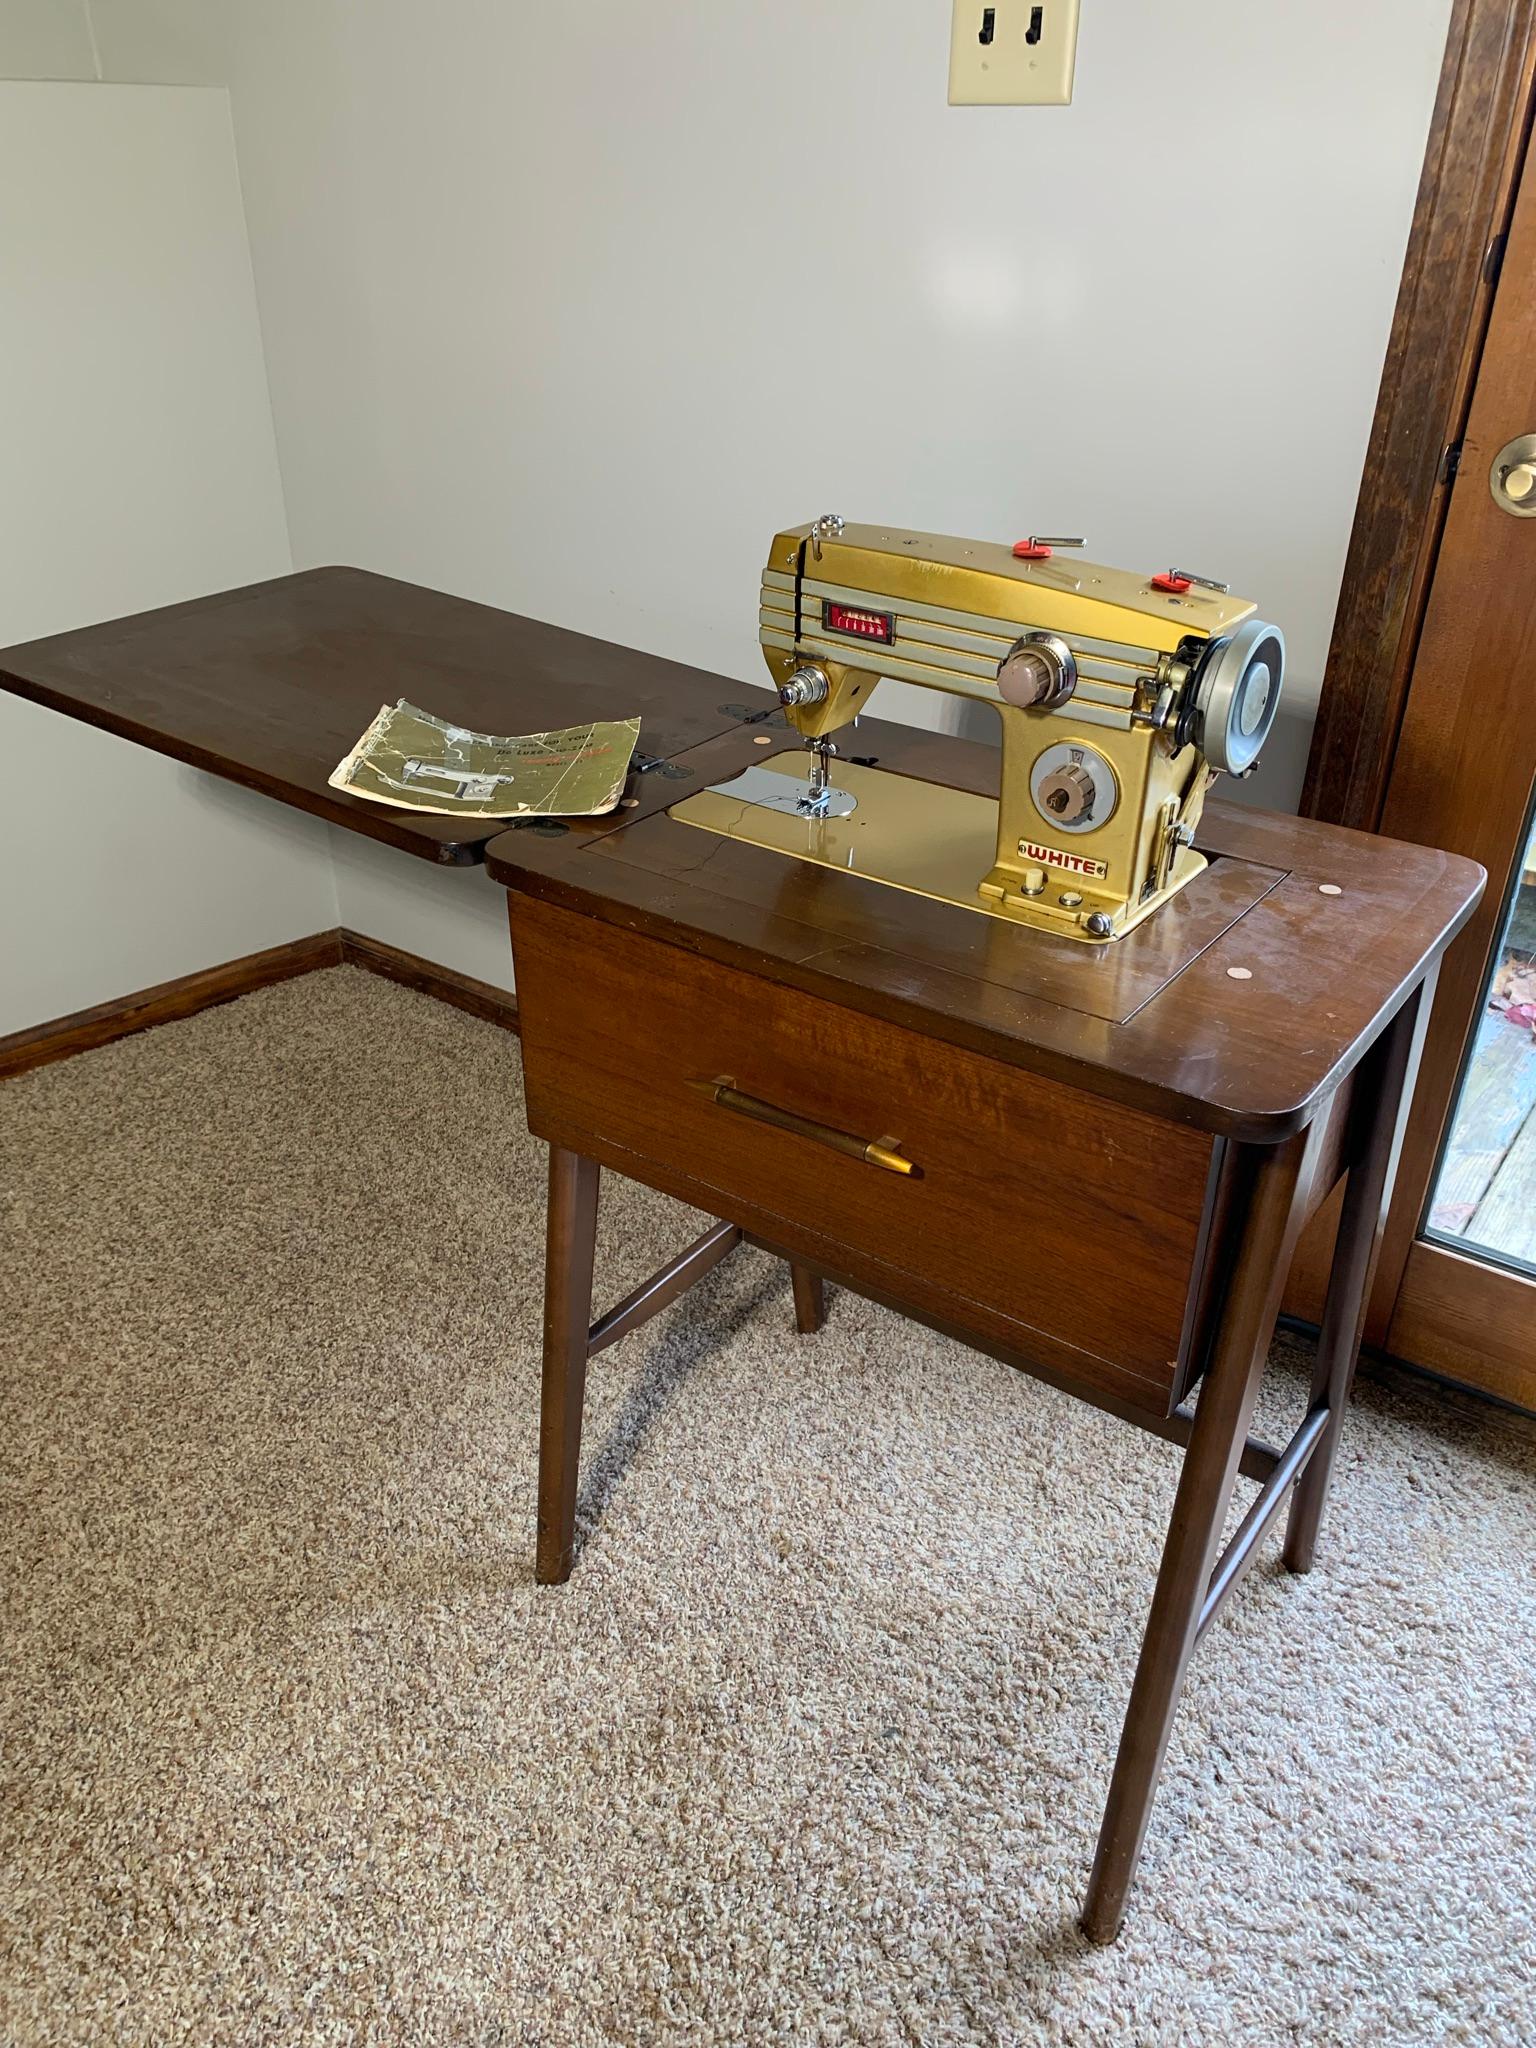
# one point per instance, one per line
(40, 1045)
(479, 998)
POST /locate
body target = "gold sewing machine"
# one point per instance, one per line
(1120, 696)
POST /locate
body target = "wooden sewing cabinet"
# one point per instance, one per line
(1112, 1150)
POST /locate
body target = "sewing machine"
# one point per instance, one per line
(1120, 698)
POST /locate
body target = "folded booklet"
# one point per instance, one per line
(421, 763)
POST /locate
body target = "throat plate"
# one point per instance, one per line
(783, 790)
(920, 836)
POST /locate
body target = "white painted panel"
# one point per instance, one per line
(138, 469)
(46, 39)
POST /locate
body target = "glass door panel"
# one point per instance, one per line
(1483, 1198)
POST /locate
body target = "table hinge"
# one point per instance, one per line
(744, 713)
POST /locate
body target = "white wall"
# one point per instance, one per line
(138, 468)
(568, 307)
(571, 306)
(454, 916)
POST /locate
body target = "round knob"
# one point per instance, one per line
(1037, 672)
(806, 686)
(827, 527)
(1067, 794)
(1512, 477)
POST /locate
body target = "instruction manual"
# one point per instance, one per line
(421, 763)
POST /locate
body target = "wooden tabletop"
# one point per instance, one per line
(271, 685)
(1237, 1007)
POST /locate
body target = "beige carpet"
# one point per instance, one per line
(812, 1747)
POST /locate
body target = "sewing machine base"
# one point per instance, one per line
(925, 837)
(981, 1240)
(1093, 1163)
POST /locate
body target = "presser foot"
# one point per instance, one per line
(819, 799)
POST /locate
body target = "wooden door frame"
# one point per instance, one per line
(1477, 148)
(1477, 137)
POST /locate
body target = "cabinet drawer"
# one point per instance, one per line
(1035, 1216)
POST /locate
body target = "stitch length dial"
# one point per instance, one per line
(1073, 787)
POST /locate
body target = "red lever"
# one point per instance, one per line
(1169, 579)
(1032, 550)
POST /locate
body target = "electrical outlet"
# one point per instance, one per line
(1015, 53)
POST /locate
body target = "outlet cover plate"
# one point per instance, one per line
(1009, 70)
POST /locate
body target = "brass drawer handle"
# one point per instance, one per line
(876, 1151)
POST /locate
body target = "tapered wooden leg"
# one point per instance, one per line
(1366, 1195)
(570, 1234)
(810, 1299)
(1222, 1417)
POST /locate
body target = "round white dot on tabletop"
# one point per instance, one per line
(1329, 889)
(763, 739)
(1239, 974)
